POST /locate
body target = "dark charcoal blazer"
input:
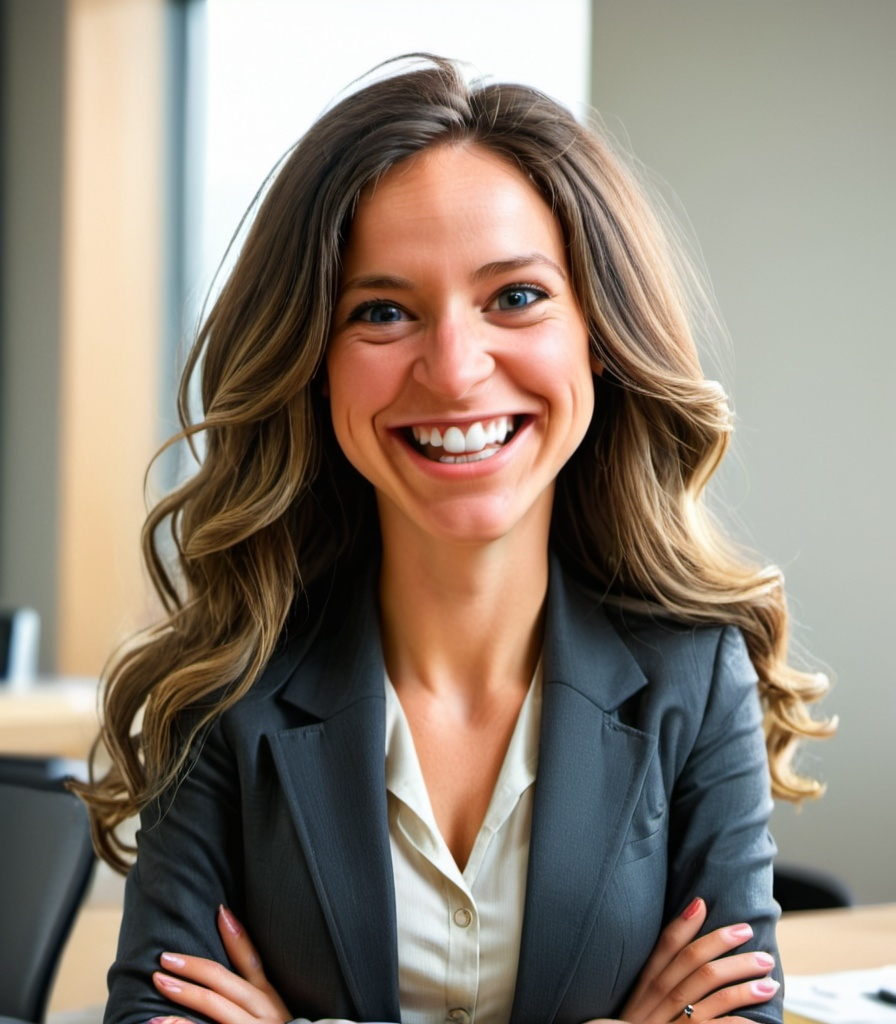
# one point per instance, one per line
(652, 788)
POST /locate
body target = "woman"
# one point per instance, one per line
(454, 704)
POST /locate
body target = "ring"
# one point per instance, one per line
(688, 1010)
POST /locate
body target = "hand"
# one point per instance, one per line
(685, 971)
(208, 987)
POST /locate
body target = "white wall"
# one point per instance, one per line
(775, 125)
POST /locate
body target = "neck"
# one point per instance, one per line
(463, 619)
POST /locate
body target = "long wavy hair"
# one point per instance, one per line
(275, 506)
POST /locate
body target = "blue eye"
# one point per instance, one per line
(520, 296)
(379, 313)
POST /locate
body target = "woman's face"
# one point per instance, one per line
(458, 367)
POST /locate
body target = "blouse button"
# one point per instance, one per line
(459, 1015)
(462, 917)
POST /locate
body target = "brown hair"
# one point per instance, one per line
(274, 504)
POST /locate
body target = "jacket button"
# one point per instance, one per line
(462, 917)
(459, 1015)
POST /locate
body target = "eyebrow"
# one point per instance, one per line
(492, 269)
(377, 281)
(516, 263)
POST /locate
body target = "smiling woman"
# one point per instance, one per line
(459, 701)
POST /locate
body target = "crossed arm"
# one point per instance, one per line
(683, 970)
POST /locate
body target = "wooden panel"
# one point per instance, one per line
(113, 226)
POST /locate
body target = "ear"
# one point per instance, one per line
(597, 367)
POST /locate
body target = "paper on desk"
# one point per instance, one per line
(846, 997)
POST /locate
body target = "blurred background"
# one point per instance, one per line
(136, 132)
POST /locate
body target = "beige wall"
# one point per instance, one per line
(775, 125)
(113, 217)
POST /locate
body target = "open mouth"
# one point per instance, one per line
(454, 443)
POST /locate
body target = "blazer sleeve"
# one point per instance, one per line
(189, 861)
(719, 843)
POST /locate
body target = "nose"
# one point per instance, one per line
(455, 358)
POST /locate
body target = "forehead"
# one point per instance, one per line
(463, 193)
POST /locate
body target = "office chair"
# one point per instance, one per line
(46, 863)
(801, 888)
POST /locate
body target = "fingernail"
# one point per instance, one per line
(169, 984)
(230, 922)
(692, 908)
(173, 961)
(764, 988)
(161, 1020)
(764, 960)
(739, 932)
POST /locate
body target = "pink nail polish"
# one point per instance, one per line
(739, 932)
(160, 1020)
(230, 922)
(764, 960)
(692, 908)
(764, 988)
(169, 984)
(173, 961)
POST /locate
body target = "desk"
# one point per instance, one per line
(56, 718)
(818, 941)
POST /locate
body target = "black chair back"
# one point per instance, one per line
(800, 888)
(46, 863)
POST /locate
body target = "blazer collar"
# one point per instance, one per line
(583, 648)
(338, 661)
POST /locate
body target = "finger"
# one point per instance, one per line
(238, 946)
(674, 938)
(674, 987)
(723, 974)
(734, 997)
(193, 972)
(245, 958)
(206, 1001)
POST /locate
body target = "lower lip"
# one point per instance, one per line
(466, 470)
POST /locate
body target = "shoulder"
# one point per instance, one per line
(700, 652)
(649, 669)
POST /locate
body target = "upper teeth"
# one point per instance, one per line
(477, 435)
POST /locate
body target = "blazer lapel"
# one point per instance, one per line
(333, 776)
(590, 774)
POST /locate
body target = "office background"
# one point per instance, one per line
(767, 124)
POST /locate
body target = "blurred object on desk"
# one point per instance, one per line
(57, 717)
(39, 771)
(19, 645)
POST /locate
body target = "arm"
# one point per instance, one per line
(189, 856)
(685, 970)
(682, 969)
(719, 844)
